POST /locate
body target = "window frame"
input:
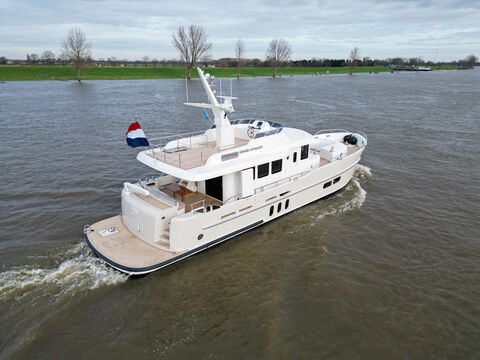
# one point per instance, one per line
(260, 174)
(276, 170)
(302, 155)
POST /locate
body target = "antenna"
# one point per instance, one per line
(220, 86)
(186, 87)
(231, 88)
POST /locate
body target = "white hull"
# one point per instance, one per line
(216, 228)
(219, 183)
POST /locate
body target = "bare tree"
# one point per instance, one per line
(354, 57)
(278, 52)
(145, 60)
(76, 49)
(191, 44)
(33, 58)
(470, 61)
(239, 53)
(48, 57)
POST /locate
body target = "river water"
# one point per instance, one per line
(389, 268)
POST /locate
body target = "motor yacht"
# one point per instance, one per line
(219, 183)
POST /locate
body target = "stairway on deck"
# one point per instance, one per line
(164, 240)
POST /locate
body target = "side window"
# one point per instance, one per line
(279, 207)
(295, 156)
(336, 180)
(262, 170)
(253, 173)
(271, 210)
(276, 166)
(327, 184)
(287, 203)
(304, 152)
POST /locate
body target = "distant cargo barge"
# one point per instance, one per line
(410, 68)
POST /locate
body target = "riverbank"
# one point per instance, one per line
(27, 73)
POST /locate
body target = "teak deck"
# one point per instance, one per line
(188, 197)
(124, 248)
(191, 158)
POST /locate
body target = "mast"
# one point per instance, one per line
(225, 135)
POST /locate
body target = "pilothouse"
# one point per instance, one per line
(219, 183)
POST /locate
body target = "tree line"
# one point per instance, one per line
(193, 49)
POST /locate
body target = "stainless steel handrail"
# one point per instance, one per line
(193, 208)
(363, 134)
(175, 158)
(166, 139)
(157, 194)
(285, 180)
(342, 131)
(326, 131)
(230, 198)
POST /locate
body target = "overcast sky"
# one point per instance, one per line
(434, 30)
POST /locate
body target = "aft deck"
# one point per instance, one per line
(185, 198)
(123, 248)
(189, 158)
(188, 199)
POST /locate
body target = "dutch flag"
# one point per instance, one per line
(136, 136)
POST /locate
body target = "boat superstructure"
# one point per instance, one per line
(218, 183)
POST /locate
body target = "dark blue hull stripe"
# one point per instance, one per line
(174, 259)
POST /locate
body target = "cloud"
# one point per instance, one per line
(325, 29)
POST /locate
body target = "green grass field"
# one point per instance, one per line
(23, 73)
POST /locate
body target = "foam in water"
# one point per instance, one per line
(79, 271)
(355, 200)
(362, 172)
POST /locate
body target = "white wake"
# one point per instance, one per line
(352, 197)
(356, 202)
(79, 270)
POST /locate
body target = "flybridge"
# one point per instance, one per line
(224, 140)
